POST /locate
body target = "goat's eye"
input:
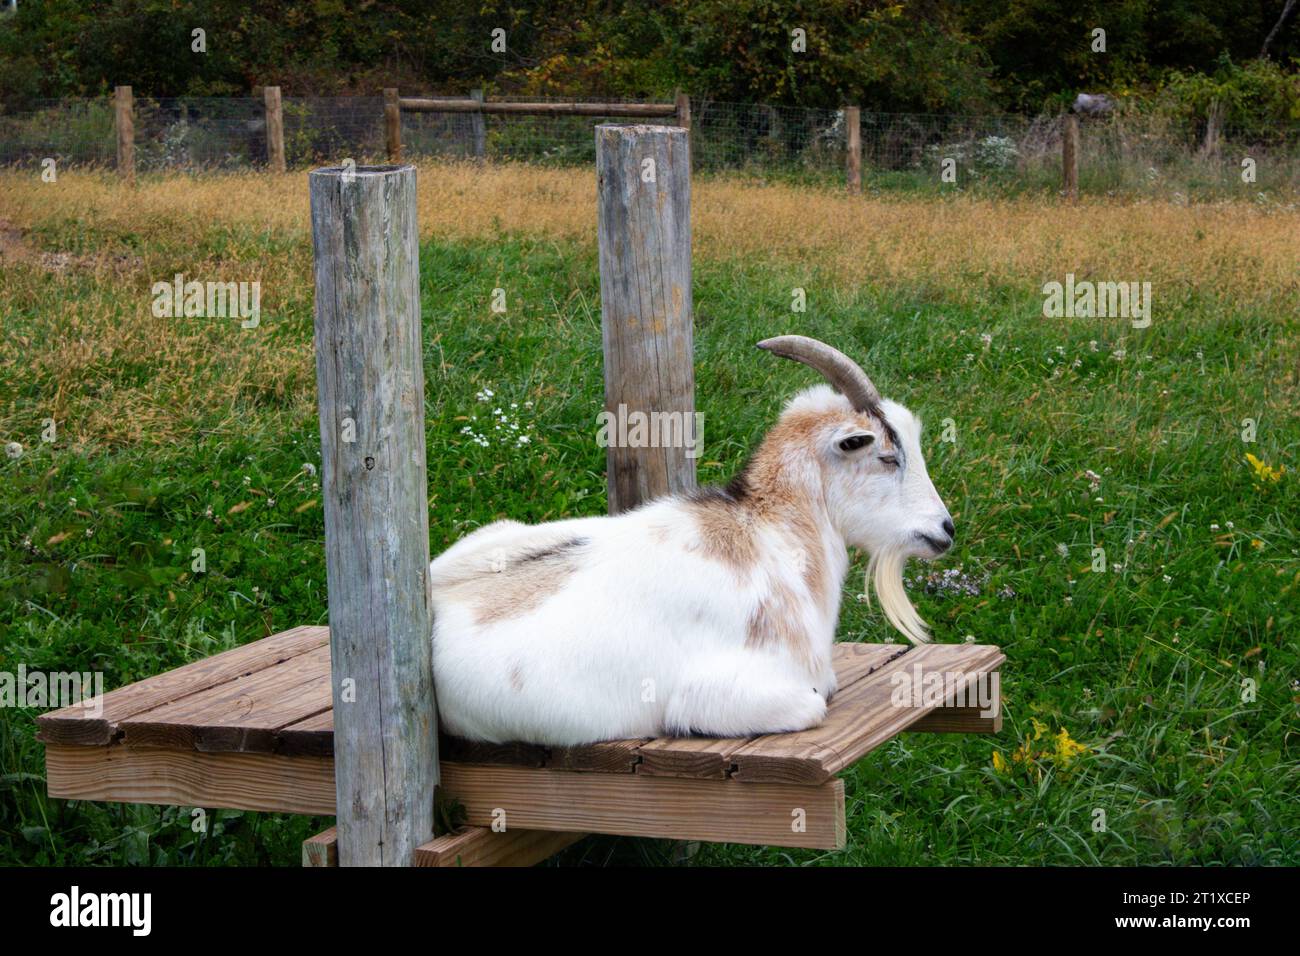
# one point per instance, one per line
(854, 442)
(889, 460)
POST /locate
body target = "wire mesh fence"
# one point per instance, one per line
(1120, 152)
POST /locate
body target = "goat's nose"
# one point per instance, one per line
(947, 526)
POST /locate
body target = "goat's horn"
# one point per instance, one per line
(840, 370)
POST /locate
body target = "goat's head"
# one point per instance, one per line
(878, 491)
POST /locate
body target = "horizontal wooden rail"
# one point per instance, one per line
(468, 105)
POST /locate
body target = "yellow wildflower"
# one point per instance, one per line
(1264, 472)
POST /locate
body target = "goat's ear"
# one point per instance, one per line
(855, 442)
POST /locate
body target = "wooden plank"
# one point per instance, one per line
(274, 129)
(124, 120)
(322, 849)
(712, 756)
(312, 735)
(644, 235)
(375, 492)
(514, 754)
(238, 781)
(674, 808)
(73, 725)
(866, 718)
(480, 846)
(470, 105)
(242, 715)
(606, 756)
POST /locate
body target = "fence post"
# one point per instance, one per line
(370, 385)
(683, 104)
(125, 121)
(1070, 158)
(1213, 130)
(853, 155)
(480, 128)
(274, 129)
(392, 124)
(643, 185)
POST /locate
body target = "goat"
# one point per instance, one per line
(710, 612)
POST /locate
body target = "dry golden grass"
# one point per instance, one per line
(1231, 248)
(80, 256)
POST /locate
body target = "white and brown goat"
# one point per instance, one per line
(712, 612)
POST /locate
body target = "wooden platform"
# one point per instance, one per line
(252, 729)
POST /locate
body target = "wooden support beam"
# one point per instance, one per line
(677, 808)
(274, 129)
(1070, 158)
(468, 846)
(370, 384)
(123, 112)
(120, 773)
(643, 184)
(393, 124)
(853, 153)
(322, 849)
(958, 720)
(470, 105)
(722, 811)
(481, 846)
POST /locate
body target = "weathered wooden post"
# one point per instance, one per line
(479, 122)
(393, 124)
(644, 232)
(1070, 158)
(853, 154)
(125, 122)
(274, 129)
(683, 104)
(370, 383)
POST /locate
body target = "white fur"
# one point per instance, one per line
(648, 634)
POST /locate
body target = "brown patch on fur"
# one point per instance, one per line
(775, 623)
(804, 528)
(516, 678)
(726, 533)
(520, 585)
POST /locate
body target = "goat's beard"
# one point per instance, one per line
(885, 571)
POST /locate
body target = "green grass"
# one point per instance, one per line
(1143, 664)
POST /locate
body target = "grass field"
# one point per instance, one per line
(1132, 734)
